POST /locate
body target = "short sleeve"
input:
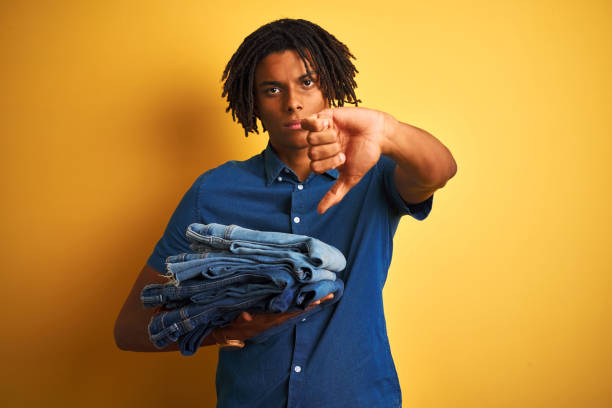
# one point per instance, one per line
(174, 241)
(419, 211)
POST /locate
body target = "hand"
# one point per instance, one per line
(349, 139)
(248, 325)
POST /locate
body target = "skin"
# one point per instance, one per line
(285, 94)
(349, 139)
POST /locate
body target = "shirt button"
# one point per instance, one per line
(300, 187)
(296, 220)
(297, 368)
(304, 319)
(286, 170)
(280, 178)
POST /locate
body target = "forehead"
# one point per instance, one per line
(281, 65)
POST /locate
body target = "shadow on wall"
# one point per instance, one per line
(188, 129)
(181, 131)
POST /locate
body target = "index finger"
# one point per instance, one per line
(315, 124)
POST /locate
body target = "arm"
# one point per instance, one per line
(352, 140)
(131, 325)
(423, 163)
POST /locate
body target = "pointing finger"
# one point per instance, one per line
(315, 124)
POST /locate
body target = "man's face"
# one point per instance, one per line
(285, 93)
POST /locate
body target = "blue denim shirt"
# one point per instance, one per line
(291, 366)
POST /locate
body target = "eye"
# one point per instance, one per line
(272, 91)
(308, 82)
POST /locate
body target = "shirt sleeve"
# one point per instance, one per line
(174, 241)
(419, 211)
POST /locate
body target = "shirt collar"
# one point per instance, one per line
(274, 166)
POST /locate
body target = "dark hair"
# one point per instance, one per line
(315, 46)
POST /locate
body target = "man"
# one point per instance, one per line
(342, 175)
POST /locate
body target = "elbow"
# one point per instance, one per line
(125, 338)
(453, 168)
(437, 178)
(451, 171)
(120, 338)
(446, 173)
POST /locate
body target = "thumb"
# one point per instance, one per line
(336, 193)
(327, 113)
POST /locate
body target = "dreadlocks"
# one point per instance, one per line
(315, 46)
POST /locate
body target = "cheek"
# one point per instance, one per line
(261, 109)
(319, 101)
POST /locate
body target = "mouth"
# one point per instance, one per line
(293, 125)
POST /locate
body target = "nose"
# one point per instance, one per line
(294, 103)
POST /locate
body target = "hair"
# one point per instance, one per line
(316, 47)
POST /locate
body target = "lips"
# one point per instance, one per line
(293, 125)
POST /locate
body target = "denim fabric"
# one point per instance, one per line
(265, 194)
(160, 294)
(195, 290)
(240, 269)
(214, 265)
(168, 327)
(243, 241)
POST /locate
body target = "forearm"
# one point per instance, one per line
(424, 164)
(131, 326)
(131, 331)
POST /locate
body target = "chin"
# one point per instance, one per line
(293, 139)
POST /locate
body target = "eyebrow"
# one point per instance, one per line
(310, 75)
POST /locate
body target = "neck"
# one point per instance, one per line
(296, 159)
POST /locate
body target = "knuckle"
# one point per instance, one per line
(311, 138)
(327, 135)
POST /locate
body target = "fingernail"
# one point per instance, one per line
(326, 123)
(342, 157)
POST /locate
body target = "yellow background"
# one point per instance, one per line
(501, 298)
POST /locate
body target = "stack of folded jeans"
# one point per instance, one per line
(234, 269)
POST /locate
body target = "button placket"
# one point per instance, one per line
(297, 207)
